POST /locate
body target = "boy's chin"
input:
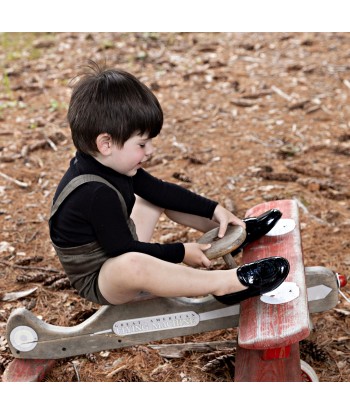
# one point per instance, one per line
(131, 173)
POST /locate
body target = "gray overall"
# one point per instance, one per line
(82, 263)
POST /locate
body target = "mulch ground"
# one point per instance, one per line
(249, 117)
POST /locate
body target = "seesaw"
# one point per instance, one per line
(268, 335)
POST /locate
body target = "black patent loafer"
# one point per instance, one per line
(258, 227)
(260, 277)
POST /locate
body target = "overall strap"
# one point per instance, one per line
(78, 181)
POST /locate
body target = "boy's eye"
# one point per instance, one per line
(142, 145)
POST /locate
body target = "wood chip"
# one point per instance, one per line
(243, 102)
(18, 294)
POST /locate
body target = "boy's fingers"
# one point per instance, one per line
(222, 230)
(206, 262)
(239, 222)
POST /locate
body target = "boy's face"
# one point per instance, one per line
(128, 159)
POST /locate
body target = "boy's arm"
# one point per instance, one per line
(113, 234)
(172, 196)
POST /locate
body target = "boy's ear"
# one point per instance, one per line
(104, 144)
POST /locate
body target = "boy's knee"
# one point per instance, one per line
(130, 262)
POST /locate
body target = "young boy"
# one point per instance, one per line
(106, 207)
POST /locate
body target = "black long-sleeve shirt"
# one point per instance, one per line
(93, 211)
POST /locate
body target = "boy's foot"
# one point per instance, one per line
(260, 277)
(258, 227)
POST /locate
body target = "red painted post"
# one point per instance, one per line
(28, 370)
(251, 366)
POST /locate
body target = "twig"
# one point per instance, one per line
(27, 267)
(306, 211)
(258, 94)
(30, 239)
(178, 350)
(75, 366)
(11, 179)
(51, 144)
(281, 93)
(115, 371)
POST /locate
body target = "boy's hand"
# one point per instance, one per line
(223, 217)
(195, 256)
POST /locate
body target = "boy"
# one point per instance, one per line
(106, 207)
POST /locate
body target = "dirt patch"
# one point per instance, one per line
(249, 118)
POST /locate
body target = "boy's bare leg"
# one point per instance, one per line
(146, 215)
(122, 278)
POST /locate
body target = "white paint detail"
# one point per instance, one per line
(156, 323)
(318, 292)
(23, 338)
(287, 291)
(282, 227)
(170, 321)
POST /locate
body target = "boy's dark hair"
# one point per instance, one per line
(111, 101)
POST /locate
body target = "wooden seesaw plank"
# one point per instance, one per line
(262, 325)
